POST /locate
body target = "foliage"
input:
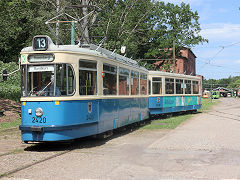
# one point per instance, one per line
(11, 88)
(144, 26)
(124, 23)
(230, 82)
(20, 21)
(172, 23)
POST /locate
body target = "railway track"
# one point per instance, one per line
(221, 114)
(52, 150)
(228, 115)
(8, 173)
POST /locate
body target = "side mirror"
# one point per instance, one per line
(5, 74)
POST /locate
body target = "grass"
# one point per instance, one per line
(8, 125)
(167, 123)
(174, 121)
(208, 103)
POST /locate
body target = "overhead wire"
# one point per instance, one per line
(215, 55)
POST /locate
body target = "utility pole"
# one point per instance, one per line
(57, 23)
(174, 57)
(73, 33)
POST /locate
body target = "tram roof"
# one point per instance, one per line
(161, 73)
(90, 49)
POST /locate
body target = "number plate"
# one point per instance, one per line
(40, 120)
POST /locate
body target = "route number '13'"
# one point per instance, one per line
(41, 42)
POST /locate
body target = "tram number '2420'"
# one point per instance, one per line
(39, 120)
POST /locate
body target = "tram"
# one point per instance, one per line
(72, 91)
(170, 92)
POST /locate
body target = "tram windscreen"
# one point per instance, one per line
(48, 80)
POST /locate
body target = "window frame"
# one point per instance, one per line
(198, 84)
(143, 76)
(135, 75)
(110, 72)
(25, 79)
(74, 76)
(88, 69)
(186, 81)
(125, 75)
(179, 82)
(172, 82)
(160, 82)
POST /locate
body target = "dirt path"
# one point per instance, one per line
(205, 147)
(12, 110)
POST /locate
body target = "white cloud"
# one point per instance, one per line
(237, 61)
(221, 32)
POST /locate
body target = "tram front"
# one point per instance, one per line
(48, 84)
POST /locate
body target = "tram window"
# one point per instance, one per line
(87, 77)
(143, 84)
(195, 87)
(123, 81)
(110, 80)
(88, 64)
(65, 80)
(188, 87)
(70, 80)
(23, 81)
(41, 80)
(179, 86)
(169, 85)
(134, 83)
(156, 85)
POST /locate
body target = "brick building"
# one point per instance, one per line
(186, 64)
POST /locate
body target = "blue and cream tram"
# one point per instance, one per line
(72, 91)
(170, 92)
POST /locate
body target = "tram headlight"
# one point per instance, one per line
(39, 112)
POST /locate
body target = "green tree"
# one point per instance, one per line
(20, 20)
(124, 23)
(145, 27)
(173, 23)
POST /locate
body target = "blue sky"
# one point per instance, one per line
(220, 24)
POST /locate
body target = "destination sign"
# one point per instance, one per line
(41, 58)
(40, 68)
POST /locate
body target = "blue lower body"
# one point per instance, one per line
(170, 104)
(68, 120)
(174, 109)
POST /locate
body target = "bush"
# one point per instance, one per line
(10, 89)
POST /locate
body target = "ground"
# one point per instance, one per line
(206, 146)
(12, 110)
